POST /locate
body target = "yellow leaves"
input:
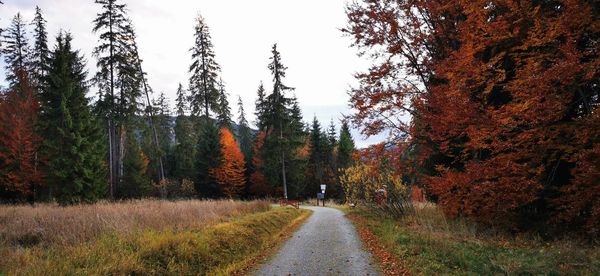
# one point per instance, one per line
(361, 184)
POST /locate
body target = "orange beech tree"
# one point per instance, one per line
(230, 174)
(504, 100)
(19, 143)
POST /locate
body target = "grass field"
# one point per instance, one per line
(139, 237)
(427, 243)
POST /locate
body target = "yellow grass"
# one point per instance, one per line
(217, 249)
(48, 225)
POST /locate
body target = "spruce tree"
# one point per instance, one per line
(261, 108)
(244, 133)
(208, 158)
(346, 146)
(204, 69)
(223, 109)
(118, 80)
(73, 145)
(40, 52)
(136, 182)
(15, 49)
(185, 140)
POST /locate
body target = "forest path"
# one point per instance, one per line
(327, 244)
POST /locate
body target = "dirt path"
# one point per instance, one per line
(327, 244)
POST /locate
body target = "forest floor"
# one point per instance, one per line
(142, 237)
(427, 243)
(326, 244)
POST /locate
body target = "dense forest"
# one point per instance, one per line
(61, 141)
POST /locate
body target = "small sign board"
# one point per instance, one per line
(320, 196)
(323, 188)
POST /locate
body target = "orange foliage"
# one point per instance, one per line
(230, 174)
(18, 141)
(504, 98)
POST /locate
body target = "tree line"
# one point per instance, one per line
(503, 97)
(56, 144)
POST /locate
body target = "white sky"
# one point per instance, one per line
(320, 60)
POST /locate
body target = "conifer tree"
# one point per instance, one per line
(40, 53)
(223, 109)
(244, 134)
(208, 157)
(136, 183)
(261, 106)
(118, 79)
(73, 145)
(346, 146)
(204, 69)
(15, 49)
(185, 140)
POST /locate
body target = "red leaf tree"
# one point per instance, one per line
(19, 142)
(230, 174)
(504, 99)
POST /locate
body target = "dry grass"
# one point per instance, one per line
(429, 243)
(50, 225)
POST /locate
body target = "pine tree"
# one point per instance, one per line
(223, 109)
(230, 174)
(185, 140)
(72, 137)
(40, 52)
(15, 49)
(346, 146)
(204, 69)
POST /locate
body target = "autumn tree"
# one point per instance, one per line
(15, 49)
(73, 145)
(503, 98)
(19, 142)
(231, 172)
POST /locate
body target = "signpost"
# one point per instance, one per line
(321, 195)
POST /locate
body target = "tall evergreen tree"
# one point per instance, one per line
(346, 146)
(15, 49)
(73, 144)
(185, 140)
(208, 158)
(118, 79)
(244, 133)
(223, 109)
(40, 53)
(204, 69)
(261, 106)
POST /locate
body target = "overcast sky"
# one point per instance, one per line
(320, 60)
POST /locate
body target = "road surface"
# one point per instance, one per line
(327, 244)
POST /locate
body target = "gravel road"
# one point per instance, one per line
(327, 244)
